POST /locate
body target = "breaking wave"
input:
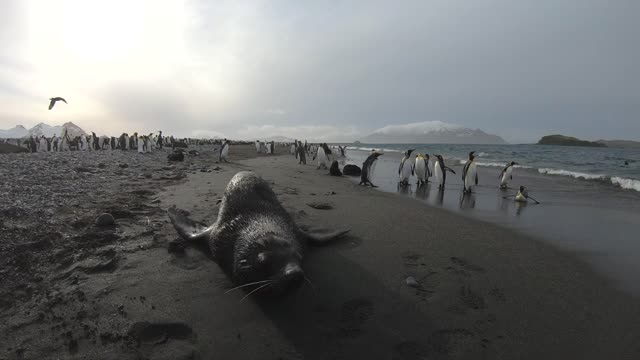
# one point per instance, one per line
(624, 183)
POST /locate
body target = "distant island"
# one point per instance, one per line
(623, 144)
(567, 141)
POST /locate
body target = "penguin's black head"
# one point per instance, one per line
(409, 152)
(472, 155)
(521, 188)
(514, 163)
(376, 154)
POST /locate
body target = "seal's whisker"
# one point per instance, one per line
(310, 283)
(245, 285)
(254, 290)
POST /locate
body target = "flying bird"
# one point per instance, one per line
(53, 101)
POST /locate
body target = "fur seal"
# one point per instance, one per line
(254, 240)
(351, 170)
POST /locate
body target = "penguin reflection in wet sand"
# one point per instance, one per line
(368, 167)
(506, 174)
(406, 168)
(421, 169)
(470, 173)
(440, 171)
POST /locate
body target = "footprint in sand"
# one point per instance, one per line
(355, 314)
(471, 299)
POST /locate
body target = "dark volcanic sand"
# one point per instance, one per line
(132, 292)
(58, 269)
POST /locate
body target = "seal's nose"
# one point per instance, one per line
(293, 274)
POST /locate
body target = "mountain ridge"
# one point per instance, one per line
(40, 129)
(435, 132)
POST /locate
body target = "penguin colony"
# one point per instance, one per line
(92, 142)
(422, 166)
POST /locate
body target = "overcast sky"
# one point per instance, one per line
(516, 68)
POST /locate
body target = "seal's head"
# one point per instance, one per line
(270, 258)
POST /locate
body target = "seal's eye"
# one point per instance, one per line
(262, 258)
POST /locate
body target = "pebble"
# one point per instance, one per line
(412, 282)
(320, 205)
(123, 165)
(105, 220)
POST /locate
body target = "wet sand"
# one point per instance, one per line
(590, 219)
(130, 292)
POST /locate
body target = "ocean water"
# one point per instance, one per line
(606, 165)
(590, 201)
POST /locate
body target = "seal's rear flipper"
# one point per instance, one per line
(321, 237)
(187, 228)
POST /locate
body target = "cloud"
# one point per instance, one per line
(311, 133)
(514, 68)
(416, 128)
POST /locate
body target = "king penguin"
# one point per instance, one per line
(440, 170)
(421, 169)
(522, 194)
(470, 173)
(367, 169)
(224, 151)
(506, 174)
(406, 168)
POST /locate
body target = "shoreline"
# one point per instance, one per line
(485, 291)
(564, 219)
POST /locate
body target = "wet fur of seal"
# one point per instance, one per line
(254, 239)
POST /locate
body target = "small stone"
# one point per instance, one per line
(412, 282)
(105, 219)
(123, 165)
(102, 166)
(320, 205)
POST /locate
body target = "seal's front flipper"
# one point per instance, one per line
(187, 228)
(322, 236)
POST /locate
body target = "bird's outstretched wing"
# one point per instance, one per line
(65, 101)
(53, 102)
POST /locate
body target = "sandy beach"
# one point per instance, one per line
(73, 290)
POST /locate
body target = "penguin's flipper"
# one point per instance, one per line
(187, 228)
(446, 168)
(476, 179)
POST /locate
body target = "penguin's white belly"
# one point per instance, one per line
(225, 151)
(257, 146)
(322, 157)
(421, 170)
(405, 172)
(141, 147)
(470, 177)
(506, 176)
(438, 172)
(148, 143)
(293, 150)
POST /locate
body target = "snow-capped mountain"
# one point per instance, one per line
(42, 129)
(434, 132)
(14, 133)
